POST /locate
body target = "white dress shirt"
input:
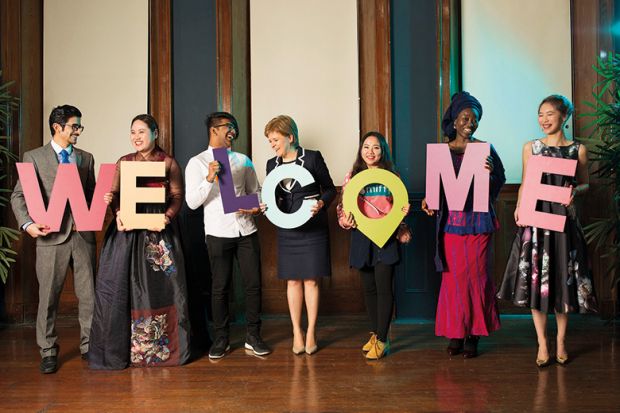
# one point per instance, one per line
(200, 192)
(58, 149)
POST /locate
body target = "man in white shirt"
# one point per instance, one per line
(228, 235)
(56, 251)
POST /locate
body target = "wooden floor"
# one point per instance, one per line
(417, 377)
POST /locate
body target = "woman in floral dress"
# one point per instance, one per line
(548, 270)
(141, 315)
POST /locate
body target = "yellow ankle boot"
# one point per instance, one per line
(378, 350)
(370, 343)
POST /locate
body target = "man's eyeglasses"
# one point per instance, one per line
(75, 127)
(230, 126)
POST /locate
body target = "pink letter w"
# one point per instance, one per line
(67, 187)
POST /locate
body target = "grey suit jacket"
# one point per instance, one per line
(45, 163)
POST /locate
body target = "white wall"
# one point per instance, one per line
(304, 64)
(96, 58)
(515, 53)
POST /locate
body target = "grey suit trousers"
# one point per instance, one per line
(51, 265)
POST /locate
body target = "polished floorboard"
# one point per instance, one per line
(418, 376)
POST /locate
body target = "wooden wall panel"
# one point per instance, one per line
(224, 38)
(160, 70)
(375, 66)
(233, 66)
(21, 39)
(449, 48)
(503, 239)
(591, 36)
(240, 103)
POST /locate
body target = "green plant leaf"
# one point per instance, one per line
(8, 105)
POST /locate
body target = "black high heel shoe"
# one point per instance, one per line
(455, 347)
(470, 348)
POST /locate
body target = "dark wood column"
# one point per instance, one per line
(449, 53)
(223, 9)
(160, 70)
(233, 66)
(373, 26)
(591, 37)
(21, 51)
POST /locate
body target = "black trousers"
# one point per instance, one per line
(378, 292)
(222, 252)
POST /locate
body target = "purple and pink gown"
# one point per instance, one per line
(141, 317)
(467, 304)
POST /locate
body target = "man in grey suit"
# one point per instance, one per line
(56, 251)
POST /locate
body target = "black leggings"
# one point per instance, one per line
(379, 296)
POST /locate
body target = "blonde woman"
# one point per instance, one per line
(303, 252)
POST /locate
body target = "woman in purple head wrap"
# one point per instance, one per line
(466, 308)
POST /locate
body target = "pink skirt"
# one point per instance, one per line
(467, 303)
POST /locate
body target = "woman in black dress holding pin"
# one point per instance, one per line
(303, 252)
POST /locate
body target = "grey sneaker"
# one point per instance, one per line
(219, 348)
(257, 345)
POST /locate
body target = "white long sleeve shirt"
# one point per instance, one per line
(201, 193)
(69, 149)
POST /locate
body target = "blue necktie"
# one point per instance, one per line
(64, 156)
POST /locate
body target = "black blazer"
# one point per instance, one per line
(322, 189)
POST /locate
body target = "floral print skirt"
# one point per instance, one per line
(548, 271)
(141, 315)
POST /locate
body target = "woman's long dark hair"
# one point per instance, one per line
(386, 158)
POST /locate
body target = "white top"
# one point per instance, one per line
(200, 192)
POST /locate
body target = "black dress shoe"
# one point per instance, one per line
(84, 356)
(49, 364)
(470, 349)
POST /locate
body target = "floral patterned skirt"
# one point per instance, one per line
(548, 271)
(141, 315)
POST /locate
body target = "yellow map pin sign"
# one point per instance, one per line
(381, 229)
